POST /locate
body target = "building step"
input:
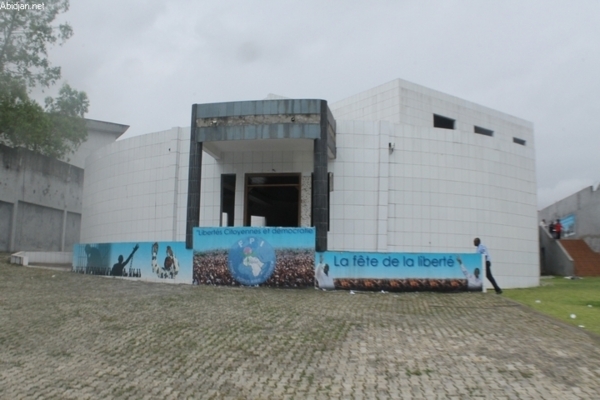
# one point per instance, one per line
(586, 261)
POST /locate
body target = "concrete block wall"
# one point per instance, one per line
(42, 257)
(585, 206)
(40, 201)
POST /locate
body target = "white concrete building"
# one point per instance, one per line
(409, 170)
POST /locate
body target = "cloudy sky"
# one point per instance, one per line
(145, 62)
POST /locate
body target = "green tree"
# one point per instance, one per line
(26, 32)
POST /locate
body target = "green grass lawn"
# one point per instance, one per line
(560, 297)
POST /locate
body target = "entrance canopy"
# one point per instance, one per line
(265, 125)
(217, 148)
(265, 119)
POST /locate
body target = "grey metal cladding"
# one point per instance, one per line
(263, 119)
(259, 107)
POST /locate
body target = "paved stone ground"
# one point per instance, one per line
(72, 336)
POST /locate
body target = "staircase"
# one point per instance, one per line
(586, 261)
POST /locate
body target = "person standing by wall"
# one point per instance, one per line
(482, 249)
(557, 229)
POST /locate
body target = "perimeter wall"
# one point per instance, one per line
(40, 202)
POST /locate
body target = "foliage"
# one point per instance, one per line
(25, 36)
(561, 297)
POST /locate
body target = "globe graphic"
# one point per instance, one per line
(251, 260)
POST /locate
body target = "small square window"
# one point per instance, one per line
(483, 131)
(519, 141)
(442, 122)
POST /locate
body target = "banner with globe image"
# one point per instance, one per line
(254, 256)
(147, 261)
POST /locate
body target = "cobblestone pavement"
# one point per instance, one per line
(72, 336)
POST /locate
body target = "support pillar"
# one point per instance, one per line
(320, 204)
(194, 184)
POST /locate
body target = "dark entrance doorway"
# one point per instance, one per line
(276, 197)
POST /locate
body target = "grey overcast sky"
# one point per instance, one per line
(145, 62)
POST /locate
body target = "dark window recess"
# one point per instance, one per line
(442, 122)
(273, 196)
(273, 179)
(519, 141)
(483, 131)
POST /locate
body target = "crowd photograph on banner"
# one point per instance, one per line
(246, 256)
(281, 258)
(399, 272)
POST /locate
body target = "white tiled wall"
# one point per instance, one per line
(439, 188)
(354, 211)
(133, 189)
(435, 192)
(407, 103)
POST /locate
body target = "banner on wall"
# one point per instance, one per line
(148, 261)
(399, 271)
(254, 256)
(568, 226)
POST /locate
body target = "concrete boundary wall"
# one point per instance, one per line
(40, 202)
(554, 260)
(41, 257)
(585, 207)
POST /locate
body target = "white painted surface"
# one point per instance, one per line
(435, 192)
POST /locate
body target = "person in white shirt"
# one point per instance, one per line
(324, 281)
(482, 249)
(473, 280)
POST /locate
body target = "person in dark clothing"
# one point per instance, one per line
(482, 249)
(557, 229)
(117, 269)
(551, 230)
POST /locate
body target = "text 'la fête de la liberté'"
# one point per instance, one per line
(391, 261)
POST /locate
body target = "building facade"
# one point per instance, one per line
(41, 197)
(398, 168)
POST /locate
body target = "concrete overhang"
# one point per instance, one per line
(216, 149)
(263, 125)
(105, 127)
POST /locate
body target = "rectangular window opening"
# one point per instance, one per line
(442, 122)
(272, 199)
(519, 141)
(483, 131)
